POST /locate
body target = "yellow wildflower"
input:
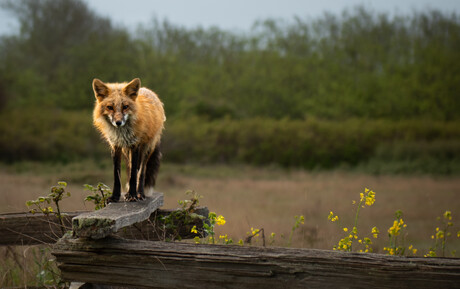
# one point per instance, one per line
(448, 215)
(440, 234)
(220, 220)
(301, 219)
(345, 229)
(394, 230)
(194, 230)
(331, 217)
(370, 198)
(224, 237)
(375, 232)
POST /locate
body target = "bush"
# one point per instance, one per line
(312, 143)
(48, 135)
(378, 146)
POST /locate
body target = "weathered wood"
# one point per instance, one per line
(32, 229)
(114, 216)
(149, 264)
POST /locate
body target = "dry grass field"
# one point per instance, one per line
(267, 198)
(248, 197)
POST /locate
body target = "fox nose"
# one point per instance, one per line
(118, 122)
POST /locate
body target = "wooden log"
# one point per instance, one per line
(101, 223)
(33, 229)
(146, 264)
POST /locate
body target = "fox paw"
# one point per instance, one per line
(112, 200)
(130, 198)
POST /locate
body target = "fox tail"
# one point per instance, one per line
(151, 171)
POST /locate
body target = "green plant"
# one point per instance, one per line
(299, 220)
(397, 238)
(100, 195)
(208, 229)
(253, 235)
(55, 196)
(180, 220)
(48, 273)
(441, 235)
(346, 243)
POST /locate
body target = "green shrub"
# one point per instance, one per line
(380, 146)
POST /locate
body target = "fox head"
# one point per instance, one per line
(116, 101)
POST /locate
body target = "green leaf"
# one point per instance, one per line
(62, 184)
(88, 187)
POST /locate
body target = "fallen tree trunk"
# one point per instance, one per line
(149, 264)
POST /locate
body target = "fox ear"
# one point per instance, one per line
(101, 90)
(132, 88)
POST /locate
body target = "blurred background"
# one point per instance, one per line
(274, 109)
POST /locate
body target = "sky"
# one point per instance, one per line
(237, 15)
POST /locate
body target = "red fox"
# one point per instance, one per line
(131, 119)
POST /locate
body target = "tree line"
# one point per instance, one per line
(361, 89)
(360, 64)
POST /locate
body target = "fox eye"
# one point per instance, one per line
(125, 106)
(109, 107)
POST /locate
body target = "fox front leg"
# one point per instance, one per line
(140, 185)
(131, 196)
(116, 158)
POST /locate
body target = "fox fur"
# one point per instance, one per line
(131, 119)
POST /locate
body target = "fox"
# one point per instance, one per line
(131, 120)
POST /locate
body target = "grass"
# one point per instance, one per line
(267, 198)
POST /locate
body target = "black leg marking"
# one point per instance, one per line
(132, 194)
(116, 158)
